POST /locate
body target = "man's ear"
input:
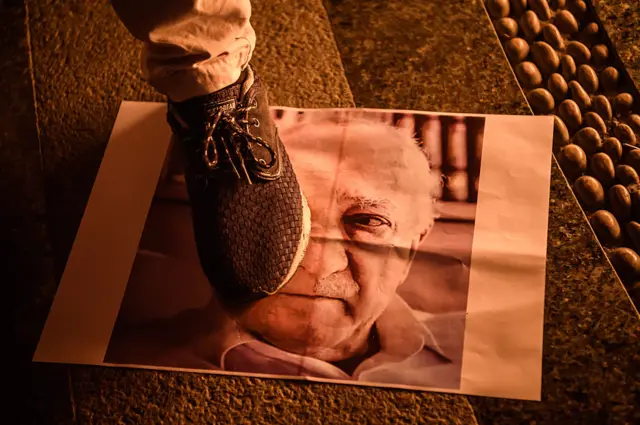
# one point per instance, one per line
(424, 234)
(417, 241)
(415, 245)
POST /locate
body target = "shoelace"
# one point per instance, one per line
(238, 139)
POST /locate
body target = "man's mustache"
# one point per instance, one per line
(339, 285)
(342, 284)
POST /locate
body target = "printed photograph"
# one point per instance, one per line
(380, 296)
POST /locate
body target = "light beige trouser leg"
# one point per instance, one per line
(191, 47)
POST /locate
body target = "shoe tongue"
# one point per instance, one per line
(249, 78)
(228, 98)
(225, 99)
(196, 111)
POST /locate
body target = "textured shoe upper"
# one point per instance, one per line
(234, 128)
(247, 229)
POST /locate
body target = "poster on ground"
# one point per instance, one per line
(425, 268)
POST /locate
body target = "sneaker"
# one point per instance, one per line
(250, 219)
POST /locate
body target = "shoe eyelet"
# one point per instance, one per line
(210, 154)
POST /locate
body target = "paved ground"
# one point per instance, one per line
(622, 19)
(66, 65)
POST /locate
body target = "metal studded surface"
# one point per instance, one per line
(568, 67)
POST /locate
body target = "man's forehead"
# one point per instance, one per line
(364, 162)
(354, 179)
(367, 151)
(346, 187)
(384, 191)
(359, 145)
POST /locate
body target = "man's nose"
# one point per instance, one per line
(325, 255)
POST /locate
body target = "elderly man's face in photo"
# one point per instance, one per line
(368, 190)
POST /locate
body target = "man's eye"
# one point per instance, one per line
(367, 220)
